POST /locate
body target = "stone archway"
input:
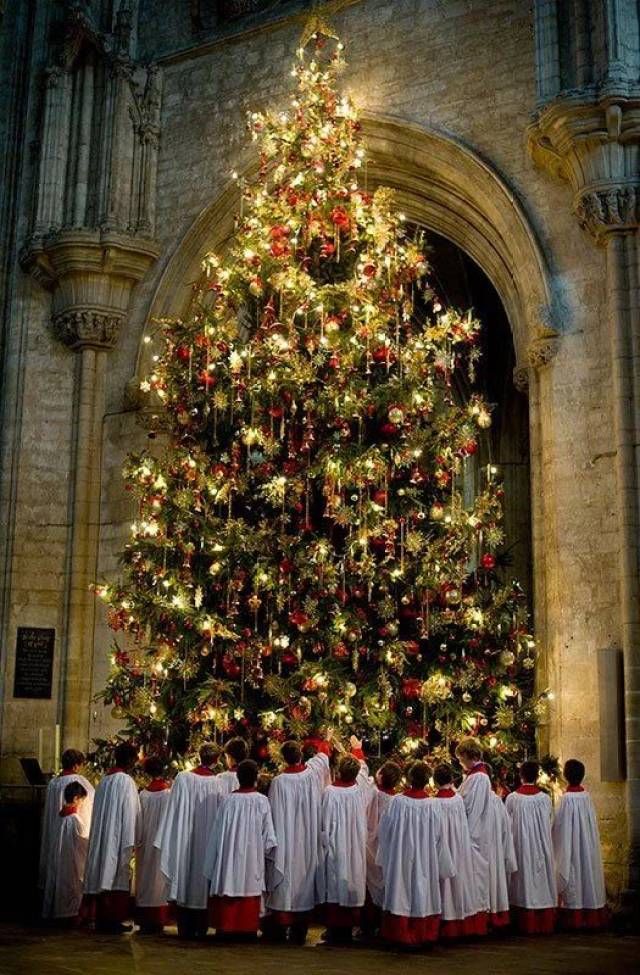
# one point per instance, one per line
(443, 185)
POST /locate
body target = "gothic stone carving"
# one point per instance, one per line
(82, 329)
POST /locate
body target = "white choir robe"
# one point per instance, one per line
(579, 872)
(461, 912)
(66, 867)
(51, 820)
(532, 887)
(227, 782)
(112, 840)
(491, 843)
(240, 843)
(342, 868)
(182, 836)
(152, 887)
(294, 796)
(378, 805)
(415, 857)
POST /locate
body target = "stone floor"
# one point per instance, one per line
(31, 951)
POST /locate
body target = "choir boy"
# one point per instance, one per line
(342, 870)
(235, 751)
(414, 855)
(72, 762)
(295, 796)
(152, 889)
(532, 887)
(461, 914)
(114, 824)
(241, 841)
(490, 830)
(387, 779)
(182, 839)
(576, 842)
(65, 876)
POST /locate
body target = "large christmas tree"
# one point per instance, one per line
(305, 553)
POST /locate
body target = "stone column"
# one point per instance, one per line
(591, 140)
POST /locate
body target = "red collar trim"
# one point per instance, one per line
(68, 809)
(415, 794)
(387, 792)
(479, 767)
(445, 793)
(68, 771)
(115, 770)
(294, 769)
(575, 788)
(528, 790)
(244, 792)
(157, 785)
(202, 770)
(344, 785)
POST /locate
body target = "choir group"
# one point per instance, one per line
(403, 856)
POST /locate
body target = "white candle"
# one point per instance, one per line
(41, 747)
(56, 760)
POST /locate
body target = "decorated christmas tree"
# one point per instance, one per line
(306, 551)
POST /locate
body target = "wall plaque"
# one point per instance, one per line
(34, 662)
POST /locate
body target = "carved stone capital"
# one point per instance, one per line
(590, 138)
(91, 274)
(543, 346)
(88, 328)
(614, 209)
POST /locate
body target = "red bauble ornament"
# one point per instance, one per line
(411, 687)
(488, 561)
(183, 353)
(340, 651)
(289, 658)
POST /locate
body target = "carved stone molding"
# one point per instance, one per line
(543, 346)
(590, 139)
(521, 379)
(87, 329)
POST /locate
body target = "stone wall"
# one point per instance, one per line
(466, 68)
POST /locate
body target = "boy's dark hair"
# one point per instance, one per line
(418, 775)
(209, 754)
(469, 749)
(264, 782)
(574, 771)
(73, 791)
(348, 768)
(237, 749)
(153, 766)
(126, 756)
(247, 773)
(529, 772)
(443, 775)
(292, 752)
(71, 758)
(309, 750)
(390, 774)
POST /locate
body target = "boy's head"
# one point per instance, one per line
(153, 766)
(235, 751)
(574, 771)
(72, 759)
(348, 768)
(292, 752)
(388, 775)
(309, 750)
(126, 756)
(264, 782)
(468, 752)
(529, 772)
(443, 776)
(209, 754)
(418, 775)
(247, 773)
(75, 793)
